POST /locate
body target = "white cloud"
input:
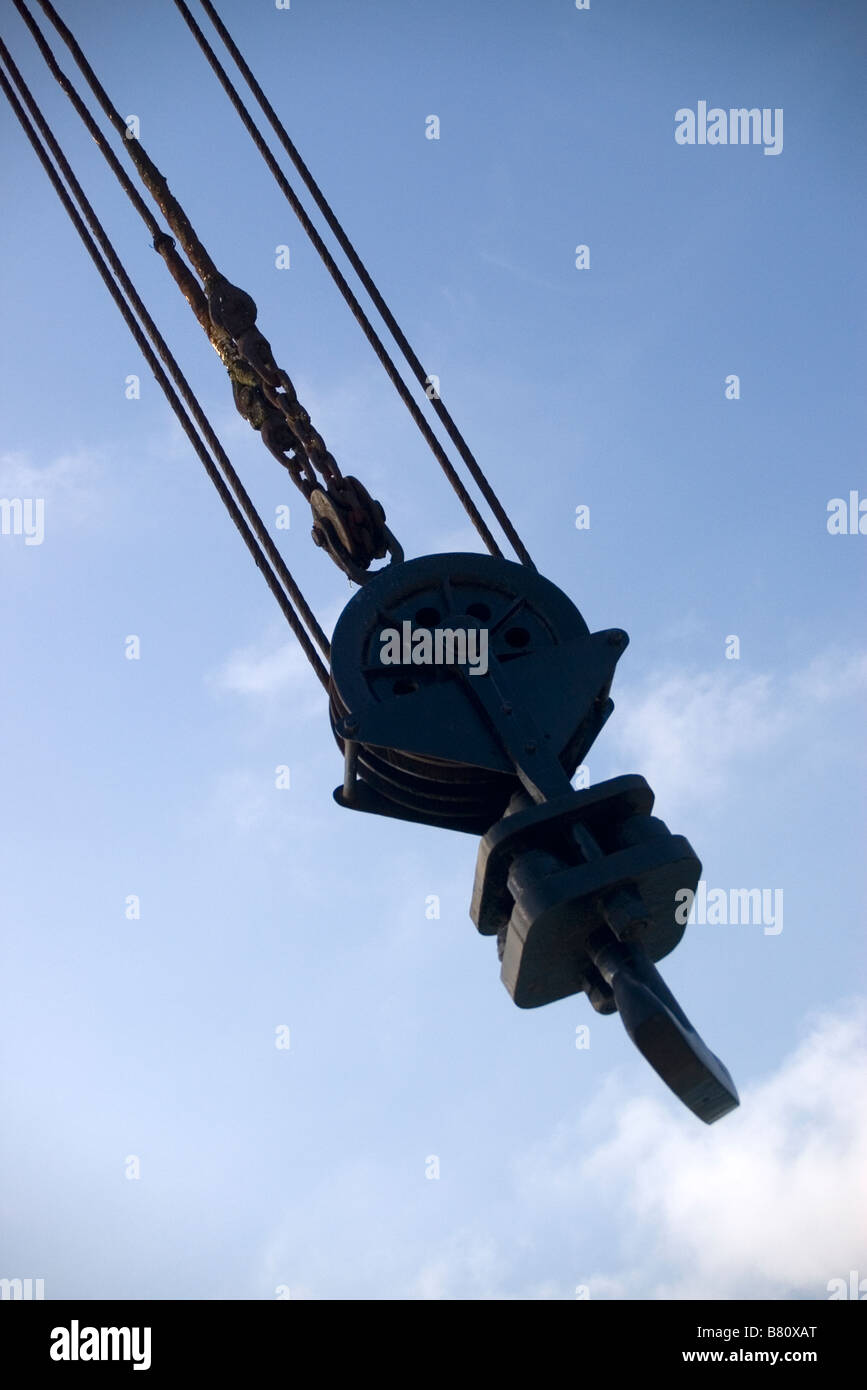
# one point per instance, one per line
(688, 730)
(635, 1199)
(265, 668)
(691, 732)
(274, 667)
(771, 1202)
(832, 676)
(272, 670)
(479, 1261)
(72, 485)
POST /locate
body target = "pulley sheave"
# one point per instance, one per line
(423, 747)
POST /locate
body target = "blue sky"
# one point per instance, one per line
(559, 1168)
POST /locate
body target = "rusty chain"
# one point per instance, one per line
(347, 522)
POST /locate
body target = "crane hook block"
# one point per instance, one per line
(582, 892)
(465, 690)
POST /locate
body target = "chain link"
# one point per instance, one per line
(348, 522)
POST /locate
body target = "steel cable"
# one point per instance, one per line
(346, 244)
(103, 254)
(181, 226)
